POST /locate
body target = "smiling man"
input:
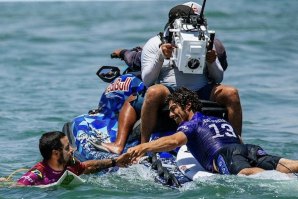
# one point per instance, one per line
(58, 157)
(212, 141)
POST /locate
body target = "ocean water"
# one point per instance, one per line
(50, 52)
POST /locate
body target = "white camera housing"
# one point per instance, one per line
(190, 52)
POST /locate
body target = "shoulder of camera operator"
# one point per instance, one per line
(215, 70)
(152, 60)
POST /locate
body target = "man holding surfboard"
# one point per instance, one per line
(58, 157)
(212, 141)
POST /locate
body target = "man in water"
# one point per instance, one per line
(212, 141)
(58, 157)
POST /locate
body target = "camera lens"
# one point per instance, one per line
(193, 63)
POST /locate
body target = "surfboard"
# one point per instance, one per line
(68, 178)
(189, 166)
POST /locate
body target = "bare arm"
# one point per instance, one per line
(93, 166)
(166, 143)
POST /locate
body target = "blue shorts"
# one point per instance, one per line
(232, 158)
(205, 92)
(138, 103)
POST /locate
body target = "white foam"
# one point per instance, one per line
(272, 175)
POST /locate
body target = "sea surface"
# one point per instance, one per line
(50, 52)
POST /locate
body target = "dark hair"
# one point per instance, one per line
(183, 96)
(50, 141)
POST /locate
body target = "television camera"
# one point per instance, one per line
(192, 41)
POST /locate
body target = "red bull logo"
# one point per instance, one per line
(119, 85)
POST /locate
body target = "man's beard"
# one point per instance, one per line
(62, 160)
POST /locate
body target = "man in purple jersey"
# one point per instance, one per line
(58, 157)
(212, 141)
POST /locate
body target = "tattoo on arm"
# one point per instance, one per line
(97, 165)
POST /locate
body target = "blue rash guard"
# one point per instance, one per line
(206, 135)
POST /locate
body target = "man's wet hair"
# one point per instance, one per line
(183, 97)
(50, 141)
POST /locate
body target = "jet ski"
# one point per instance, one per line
(100, 125)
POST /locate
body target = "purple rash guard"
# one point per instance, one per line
(206, 135)
(42, 174)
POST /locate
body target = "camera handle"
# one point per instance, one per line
(211, 41)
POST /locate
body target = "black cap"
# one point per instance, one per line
(180, 11)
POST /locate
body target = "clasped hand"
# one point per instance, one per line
(132, 156)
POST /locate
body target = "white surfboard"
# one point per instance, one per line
(68, 178)
(189, 166)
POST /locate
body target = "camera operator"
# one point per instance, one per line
(161, 77)
(158, 68)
